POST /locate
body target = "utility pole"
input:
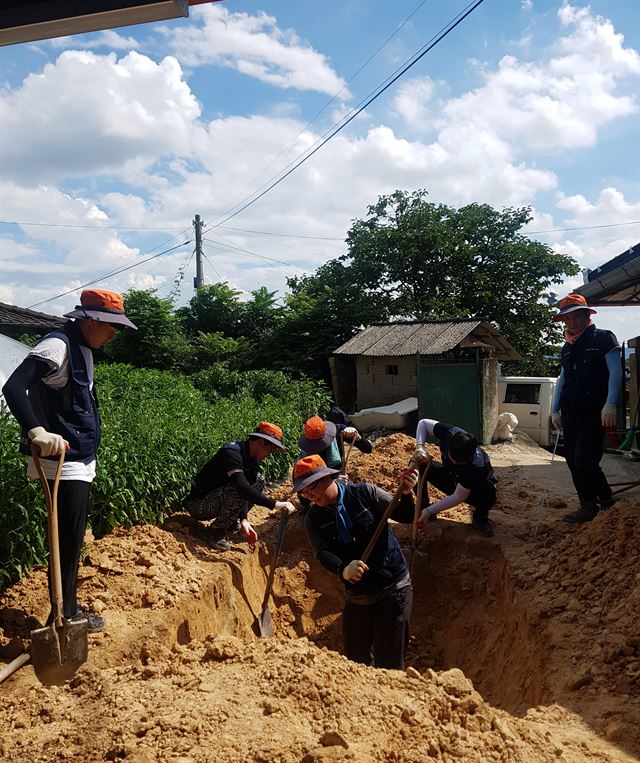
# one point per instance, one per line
(199, 279)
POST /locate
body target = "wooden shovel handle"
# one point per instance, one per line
(393, 503)
(284, 518)
(51, 502)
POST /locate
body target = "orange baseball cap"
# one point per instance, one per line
(101, 305)
(308, 470)
(570, 304)
(269, 432)
(317, 436)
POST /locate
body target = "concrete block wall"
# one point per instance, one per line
(376, 387)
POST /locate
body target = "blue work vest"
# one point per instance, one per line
(71, 411)
(586, 376)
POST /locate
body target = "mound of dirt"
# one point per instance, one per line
(523, 649)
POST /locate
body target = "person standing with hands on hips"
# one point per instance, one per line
(52, 396)
(584, 402)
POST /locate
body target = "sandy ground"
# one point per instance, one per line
(523, 649)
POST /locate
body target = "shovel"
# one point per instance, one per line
(59, 649)
(265, 626)
(546, 485)
(416, 516)
(414, 463)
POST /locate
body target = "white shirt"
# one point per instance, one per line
(54, 352)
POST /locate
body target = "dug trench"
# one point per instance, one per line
(505, 666)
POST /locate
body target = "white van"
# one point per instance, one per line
(529, 399)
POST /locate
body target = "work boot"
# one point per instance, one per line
(606, 503)
(214, 537)
(95, 623)
(586, 512)
(483, 525)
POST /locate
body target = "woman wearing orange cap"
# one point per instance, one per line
(60, 413)
(584, 402)
(230, 483)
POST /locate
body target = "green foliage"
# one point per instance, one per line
(213, 308)
(431, 261)
(157, 431)
(23, 519)
(159, 341)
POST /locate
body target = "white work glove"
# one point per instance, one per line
(556, 421)
(408, 480)
(354, 571)
(342, 479)
(608, 417)
(419, 454)
(351, 433)
(286, 507)
(425, 516)
(47, 443)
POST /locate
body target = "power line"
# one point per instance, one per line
(283, 235)
(92, 227)
(326, 105)
(253, 254)
(332, 132)
(109, 275)
(584, 227)
(215, 269)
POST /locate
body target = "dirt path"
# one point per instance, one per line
(523, 649)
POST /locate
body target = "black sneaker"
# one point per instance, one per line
(587, 511)
(222, 544)
(483, 525)
(95, 622)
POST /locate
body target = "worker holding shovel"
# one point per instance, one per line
(348, 530)
(465, 474)
(230, 483)
(59, 415)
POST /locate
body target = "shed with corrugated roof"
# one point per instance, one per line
(451, 366)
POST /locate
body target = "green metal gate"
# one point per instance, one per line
(451, 392)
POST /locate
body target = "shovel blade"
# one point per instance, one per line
(56, 653)
(265, 625)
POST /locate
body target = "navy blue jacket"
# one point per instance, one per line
(71, 411)
(586, 376)
(365, 504)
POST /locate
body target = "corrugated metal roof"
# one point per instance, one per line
(12, 316)
(427, 338)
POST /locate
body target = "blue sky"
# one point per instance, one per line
(111, 142)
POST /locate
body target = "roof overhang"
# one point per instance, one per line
(616, 283)
(22, 21)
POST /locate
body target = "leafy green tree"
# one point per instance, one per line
(213, 308)
(261, 313)
(322, 311)
(432, 261)
(159, 341)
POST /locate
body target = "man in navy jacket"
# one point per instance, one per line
(378, 594)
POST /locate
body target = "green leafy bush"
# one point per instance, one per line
(23, 519)
(157, 431)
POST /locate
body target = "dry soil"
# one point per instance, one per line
(523, 649)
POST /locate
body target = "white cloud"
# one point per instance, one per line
(411, 102)
(558, 104)
(255, 46)
(87, 114)
(105, 39)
